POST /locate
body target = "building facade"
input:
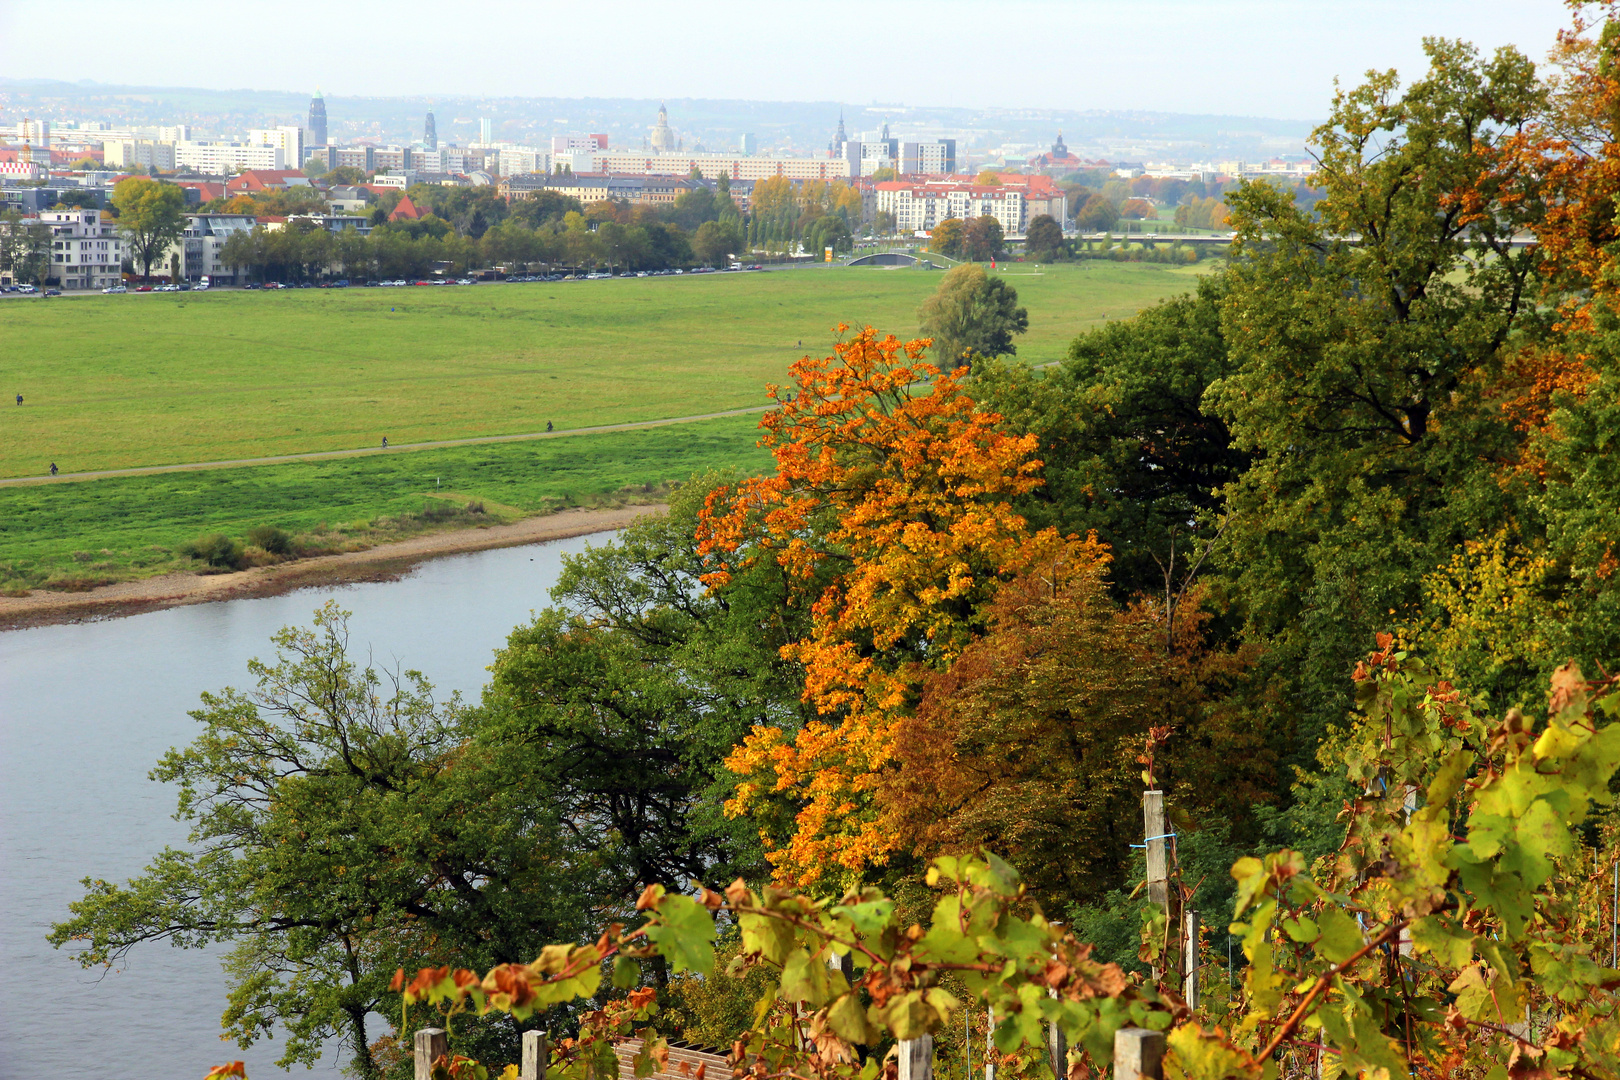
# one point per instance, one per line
(919, 207)
(86, 252)
(139, 154)
(215, 158)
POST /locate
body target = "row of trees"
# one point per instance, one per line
(1309, 550)
(979, 239)
(305, 251)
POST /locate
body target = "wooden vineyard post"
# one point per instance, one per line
(1156, 835)
(917, 1058)
(1189, 949)
(1138, 1054)
(534, 1056)
(431, 1045)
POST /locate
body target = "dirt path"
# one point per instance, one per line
(319, 455)
(385, 562)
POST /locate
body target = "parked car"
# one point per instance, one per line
(53, 292)
(144, 288)
(167, 288)
(27, 289)
(109, 290)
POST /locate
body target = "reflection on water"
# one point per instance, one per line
(87, 710)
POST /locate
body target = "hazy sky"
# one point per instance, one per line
(1254, 57)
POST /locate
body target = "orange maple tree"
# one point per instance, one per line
(890, 511)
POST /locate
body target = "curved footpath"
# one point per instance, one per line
(318, 455)
(384, 562)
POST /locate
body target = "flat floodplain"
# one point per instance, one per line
(156, 379)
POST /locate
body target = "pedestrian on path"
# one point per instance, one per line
(385, 442)
(548, 425)
(53, 468)
(19, 399)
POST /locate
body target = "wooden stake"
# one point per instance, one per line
(534, 1056)
(1138, 1054)
(431, 1045)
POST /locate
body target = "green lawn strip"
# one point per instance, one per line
(95, 531)
(127, 381)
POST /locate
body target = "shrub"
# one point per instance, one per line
(272, 539)
(215, 549)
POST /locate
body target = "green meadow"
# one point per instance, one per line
(77, 535)
(156, 379)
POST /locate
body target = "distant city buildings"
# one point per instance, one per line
(430, 132)
(748, 145)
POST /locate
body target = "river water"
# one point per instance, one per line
(86, 711)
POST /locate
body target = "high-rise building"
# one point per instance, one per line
(317, 120)
(748, 144)
(486, 131)
(430, 133)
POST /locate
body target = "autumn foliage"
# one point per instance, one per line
(891, 511)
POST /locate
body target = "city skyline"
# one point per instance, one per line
(1263, 58)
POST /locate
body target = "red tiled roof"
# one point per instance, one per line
(406, 211)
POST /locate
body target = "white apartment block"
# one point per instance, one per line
(735, 166)
(21, 170)
(920, 207)
(521, 161)
(139, 154)
(86, 252)
(200, 245)
(289, 137)
(561, 144)
(215, 158)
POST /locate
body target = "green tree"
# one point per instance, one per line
(947, 238)
(982, 238)
(1359, 369)
(1128, 447)
(151, 216)
(342, 823)
(1097, 214)
(1044, 239)
(715, 241)
(883, 223)
(971, 315)
(829, 231)
(25, 248)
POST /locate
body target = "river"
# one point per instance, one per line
(86, 711)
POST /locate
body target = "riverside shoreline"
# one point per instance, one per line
(384, 562)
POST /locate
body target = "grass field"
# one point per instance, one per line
(123, 381)
(77, 535)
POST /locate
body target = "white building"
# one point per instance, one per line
(139, 154)
(920, 207)
(289, 137)
(215, 158)
(735, 166)
(21, 170)
(199, 247)
(937, 158)
(86, 252)
(522, 160)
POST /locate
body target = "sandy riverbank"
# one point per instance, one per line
(385, 562)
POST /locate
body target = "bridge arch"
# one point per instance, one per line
(886, 258)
